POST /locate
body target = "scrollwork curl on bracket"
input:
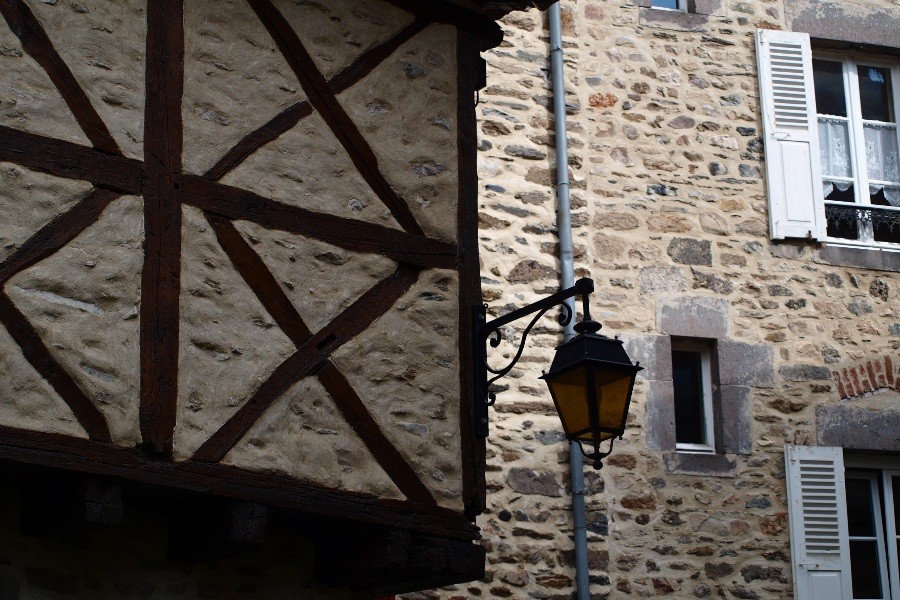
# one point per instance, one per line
(494, 338)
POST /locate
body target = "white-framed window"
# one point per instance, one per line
(831, 142)
(843, 520)
(693, 393)
(856, 104)
(872, 528)
(670, 4)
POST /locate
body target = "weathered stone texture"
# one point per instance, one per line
(83, 301)
(229, 343)
(405, 367)
(670, 207)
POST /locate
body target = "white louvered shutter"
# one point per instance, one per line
(817, 508)
(793, 164)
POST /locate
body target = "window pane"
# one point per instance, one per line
(834, 147)
(881, 152)
(842, 222)
(895, 483)
(885, 224)
(687, 379)
(875, 93)
(829, 80)
(864, 571)
(859, 507)
(665, 3)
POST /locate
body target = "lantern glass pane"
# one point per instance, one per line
(569, 391)
(612, 391)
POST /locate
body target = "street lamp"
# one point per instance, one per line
(591, 378)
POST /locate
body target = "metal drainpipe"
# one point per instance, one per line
(567, 279)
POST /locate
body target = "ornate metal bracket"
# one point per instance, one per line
(488, 332)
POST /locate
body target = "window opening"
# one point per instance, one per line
(670, 4)
(867, 556)
(692, 383)
(860, 148)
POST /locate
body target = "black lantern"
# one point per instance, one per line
(591, 378)
(591, 381)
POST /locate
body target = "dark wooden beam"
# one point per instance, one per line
(359, 236)
(254, 271)
(289, 117)
(161, 276)
(310, 358)
(389, 561)
(323, 99)
(37, 354)
(57, 233)
(70, 161)
(473, 446)
(360, 419)
(259, 279)
(368, 61)
(74, 454)
(441, 11)
(37, 44)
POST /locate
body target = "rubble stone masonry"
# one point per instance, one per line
(670, 219)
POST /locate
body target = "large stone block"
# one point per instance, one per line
(844, 21)
(689, 463)
(746, 364)
(659, 415)
(858, 428)
(654, 352)
(699, 317)
(737, 419)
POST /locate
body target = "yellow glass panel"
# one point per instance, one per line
(568, 390)
(612, 390)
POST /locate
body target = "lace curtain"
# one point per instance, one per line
(882, 157)
(882, 160)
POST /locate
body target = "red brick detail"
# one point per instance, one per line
(889, 367)
(839, 382)
(866, 377)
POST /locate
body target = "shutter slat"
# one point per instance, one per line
(817, 512)
(793, 168)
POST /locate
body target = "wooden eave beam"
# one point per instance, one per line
(74, 454)
(465, 19)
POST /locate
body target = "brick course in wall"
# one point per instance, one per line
(669, 208)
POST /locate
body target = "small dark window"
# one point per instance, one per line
(692, 383)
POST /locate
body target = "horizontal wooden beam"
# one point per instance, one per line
(350, 234)
(442, 11)
(70, 161)
(75, 454)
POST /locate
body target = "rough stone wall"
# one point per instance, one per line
(669, 211)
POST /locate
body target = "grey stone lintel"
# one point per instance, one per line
(858, 428)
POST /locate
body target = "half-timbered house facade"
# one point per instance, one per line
(238, 261)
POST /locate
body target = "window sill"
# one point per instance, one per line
(700, 463)
(861, 257)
